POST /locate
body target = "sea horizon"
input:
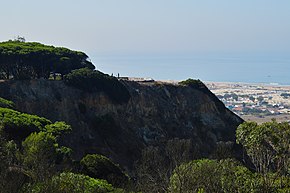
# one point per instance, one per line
(259, 69)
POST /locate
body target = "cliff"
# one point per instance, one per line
(155, 112)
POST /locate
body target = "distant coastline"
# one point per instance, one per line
(273, 84)
(212, 82)
(238, 68)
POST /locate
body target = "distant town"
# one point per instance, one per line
(254, 102)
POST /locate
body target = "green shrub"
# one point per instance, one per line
(68, 182)
(57, 128)
(192, 83)
(39, 148)
(96, 81)
(6, 103)
(268, 147)
(98, 166)
(41, 155)
(213, 176)
(17, 125)
(38, 60)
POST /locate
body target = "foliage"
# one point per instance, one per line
(32, 159)
(11, 179)
(39, 145)
(157, 164)
(92, 81)
(39, 155)
(268, 146)
(224, 150)
(37, 158)
(98, 166)
(30, 60)
(68, 182)
(57, 128)
(238, 178)
(6, 103)
(192, 83)
(212, 176)
(153, 171)
(17, 125)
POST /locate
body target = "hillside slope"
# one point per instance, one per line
(156, 112)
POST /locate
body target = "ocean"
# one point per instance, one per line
(212, 67)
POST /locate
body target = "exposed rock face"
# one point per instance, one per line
(156, 112)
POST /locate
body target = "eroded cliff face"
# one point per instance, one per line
(155, 113)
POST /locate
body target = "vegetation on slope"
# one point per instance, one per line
(21, 60)
(192, 83)
(212, 176)
(92, 81)
(6, 103)
(31, 60)
(17, 126)
(68, 182)
(32, 159)
(38, 163)
(168, 169)
(98, 166)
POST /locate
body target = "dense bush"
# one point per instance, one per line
(39, 155)
(268, 146)
(11, 179)
(92, 81)
(57, 128)
(37, 164)
(6, 103)
(213, 176)
(192, 83)
(68, 182)
(17, 125)
(36, 156)
(98, 166)
(30, 60)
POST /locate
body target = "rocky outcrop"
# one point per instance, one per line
(156, 112)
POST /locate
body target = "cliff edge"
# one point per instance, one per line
(156, 112)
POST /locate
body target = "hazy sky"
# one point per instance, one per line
(151, 26)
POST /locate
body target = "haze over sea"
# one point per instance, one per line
(224, 40)
(249, 68)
